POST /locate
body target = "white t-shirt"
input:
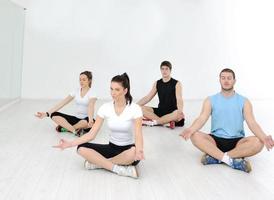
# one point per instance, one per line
(121, 126)
(82, 102)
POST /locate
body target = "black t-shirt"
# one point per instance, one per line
(167, 94)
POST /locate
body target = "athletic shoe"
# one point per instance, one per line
(91, 166)
(147, 122)
(58, 128)
(80, 132)
(64, 130)
(240, 164)
(170, 125)
(129, 171)
(209, 160)
(61, 129)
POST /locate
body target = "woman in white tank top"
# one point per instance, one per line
(82, 120)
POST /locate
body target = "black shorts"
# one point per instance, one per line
(108, 150)
(161, 112)
(225, 144)
(71, 119)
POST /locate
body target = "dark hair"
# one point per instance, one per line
(124, 80)
(228, 70)
(89, 75)
(166, 63)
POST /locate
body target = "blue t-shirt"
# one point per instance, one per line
(227, 117)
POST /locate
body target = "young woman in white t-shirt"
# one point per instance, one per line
(85, 103)
(125, 147)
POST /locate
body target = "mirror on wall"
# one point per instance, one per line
(11, 51)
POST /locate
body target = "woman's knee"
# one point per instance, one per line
(54, 114)
(130, 153)
(84, 122)
(81, 149)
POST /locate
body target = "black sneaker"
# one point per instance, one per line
(80, 132)
(58, 128)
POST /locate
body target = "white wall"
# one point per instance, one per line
(11, 49)
(108, 37)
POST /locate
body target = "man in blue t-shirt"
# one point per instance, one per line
(227, 142)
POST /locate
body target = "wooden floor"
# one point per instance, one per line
(31, 169)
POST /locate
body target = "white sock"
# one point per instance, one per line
(226, 159)
(154, 122)
(116, 168)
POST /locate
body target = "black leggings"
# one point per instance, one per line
(108, 150)
(71, 119)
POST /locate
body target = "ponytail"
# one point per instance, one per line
(124, 80)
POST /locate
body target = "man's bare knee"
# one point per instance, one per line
(146, 109)
(257, 144)
(195, 137)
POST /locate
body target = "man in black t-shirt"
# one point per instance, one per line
(170, 107)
